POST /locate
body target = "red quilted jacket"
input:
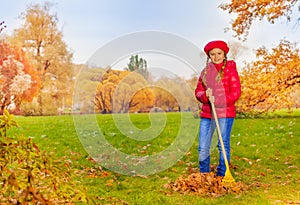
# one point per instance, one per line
(226, 92)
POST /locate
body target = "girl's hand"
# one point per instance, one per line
(210, 96)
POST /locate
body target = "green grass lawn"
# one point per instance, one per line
(265, 155)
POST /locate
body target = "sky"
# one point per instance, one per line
(89, 26)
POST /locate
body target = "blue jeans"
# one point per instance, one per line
(207, 128)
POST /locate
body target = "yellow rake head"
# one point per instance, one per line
(228, 180)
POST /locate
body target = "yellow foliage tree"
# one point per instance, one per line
(174, 94)
(43, 43)
(164, 99)
(272, 81)
(121, 92)
(268, 82)
(248, 11)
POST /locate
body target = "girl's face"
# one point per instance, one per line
(216, 55)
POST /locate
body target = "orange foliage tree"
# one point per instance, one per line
(43, 43)
(175, 94)
(105, 89)
(19, 81)
(122, 91)
(268, 82)
(132, 94)
(272, 81)
(248, 11)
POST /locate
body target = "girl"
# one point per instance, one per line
(218, 83)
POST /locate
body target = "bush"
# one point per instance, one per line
(31, 176)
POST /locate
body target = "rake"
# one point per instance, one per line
(228, 177)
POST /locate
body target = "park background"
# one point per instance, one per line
(44, 60)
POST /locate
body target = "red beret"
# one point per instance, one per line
(216, 44)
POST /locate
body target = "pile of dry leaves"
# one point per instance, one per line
(206, 185)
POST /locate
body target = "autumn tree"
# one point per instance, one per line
(19, 81)
(122, 91)
(43, 42)
(132, 94)
(103, 98)
(272, 81)
(268, 82)
(164, 99)
(248, 11)
(163, 95)
(174, 94)
(86, 83)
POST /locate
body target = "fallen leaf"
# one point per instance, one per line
(205, 184)
(110, 183)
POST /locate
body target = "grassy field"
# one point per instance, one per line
(265, 157)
